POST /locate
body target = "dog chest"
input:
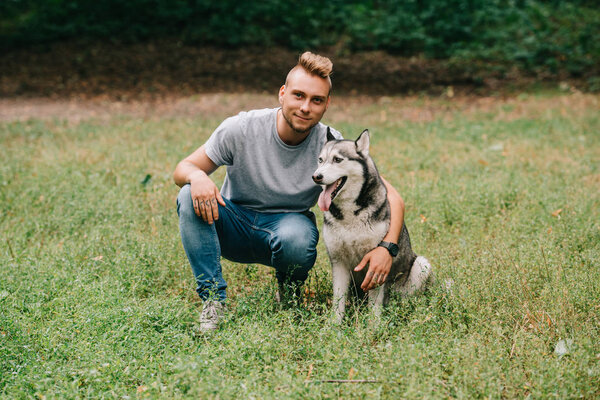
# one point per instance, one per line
(349, 244)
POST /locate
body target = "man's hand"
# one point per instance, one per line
(205, 196)
(380, 263)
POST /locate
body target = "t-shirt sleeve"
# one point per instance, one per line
(336, 134)
(220, 146)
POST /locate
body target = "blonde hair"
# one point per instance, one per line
(314, 64)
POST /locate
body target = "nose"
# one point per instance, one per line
(305, 106)
(317, 178)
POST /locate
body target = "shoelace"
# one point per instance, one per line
(209, 312)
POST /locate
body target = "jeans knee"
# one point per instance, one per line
(185, 207)
(296, 244)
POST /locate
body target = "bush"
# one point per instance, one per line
(531, 34)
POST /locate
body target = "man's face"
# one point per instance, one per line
(304, 99)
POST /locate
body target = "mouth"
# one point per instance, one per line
(329, 193)
(301, 118)
(338, 185)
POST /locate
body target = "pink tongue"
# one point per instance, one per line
(325, 197)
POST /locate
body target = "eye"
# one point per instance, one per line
(318, 101)
(320, 160)
(337, 160)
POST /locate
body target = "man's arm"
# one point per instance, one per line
(194, 169)
(380, 259)
(397, 213)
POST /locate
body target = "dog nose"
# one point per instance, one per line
(318, 178)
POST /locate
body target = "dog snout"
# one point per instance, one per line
(318, 178)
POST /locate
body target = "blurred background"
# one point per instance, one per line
(127, 49)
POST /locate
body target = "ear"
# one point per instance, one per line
(362, 143)
(281, 93)
(330, 137)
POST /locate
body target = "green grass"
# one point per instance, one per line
(97, 298)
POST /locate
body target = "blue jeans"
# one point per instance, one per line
(285, 241)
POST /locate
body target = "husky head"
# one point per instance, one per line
(342, 167)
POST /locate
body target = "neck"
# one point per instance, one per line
(287, 134)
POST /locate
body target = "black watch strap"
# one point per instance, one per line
(391, 247)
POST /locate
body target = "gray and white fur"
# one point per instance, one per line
(356, 219)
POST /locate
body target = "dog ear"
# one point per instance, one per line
(330, 137)
(362, 143)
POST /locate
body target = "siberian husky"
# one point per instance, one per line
(356, 218)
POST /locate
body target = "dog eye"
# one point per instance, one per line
(337, 160)
(320, 160)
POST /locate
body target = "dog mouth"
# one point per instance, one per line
(329, 193)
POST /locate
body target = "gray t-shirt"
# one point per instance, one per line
(264, 173)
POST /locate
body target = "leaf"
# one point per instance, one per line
(483, 162)
(423, 218)
(496, 147)
(142, 388)
(351, 373)
(310, 370)
(557, 213)
(146, 179)
(563, 347)
(97, 258)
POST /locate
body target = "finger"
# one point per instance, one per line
(215, 208)
(220, 198)
(203, 211)
(209, 212)
(367, 281)
(197, 207)
(374, 281)
(362, 263)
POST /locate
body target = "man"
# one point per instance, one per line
(261, 214)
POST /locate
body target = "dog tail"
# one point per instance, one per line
(421, 274)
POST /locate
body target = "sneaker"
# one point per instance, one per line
(212, 311)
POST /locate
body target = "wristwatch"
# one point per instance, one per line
(391, 247)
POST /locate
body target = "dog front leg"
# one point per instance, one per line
(341, 280)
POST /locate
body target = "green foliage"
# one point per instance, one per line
(535, 35)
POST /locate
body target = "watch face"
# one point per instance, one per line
(392, 248)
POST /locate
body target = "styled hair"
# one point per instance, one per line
(314, 64)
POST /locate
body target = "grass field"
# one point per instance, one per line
(503, 196)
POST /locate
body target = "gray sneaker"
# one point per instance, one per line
(212, 311)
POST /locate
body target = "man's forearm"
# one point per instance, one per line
(184, 172)
(197, 163)
(397, 214)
